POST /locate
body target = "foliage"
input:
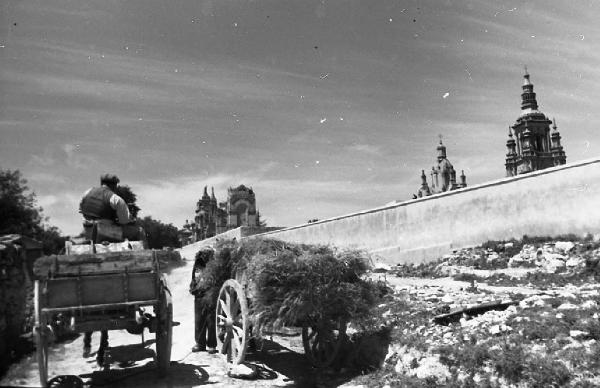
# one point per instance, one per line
(545, 372)
(159, 234)
(21, 215)
(51, 239)
(130, 198)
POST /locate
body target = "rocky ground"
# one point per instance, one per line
(545, 334)
(539, 327)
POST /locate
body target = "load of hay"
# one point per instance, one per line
(294, 284)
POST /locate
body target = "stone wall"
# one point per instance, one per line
(188, 252)
(558, 200)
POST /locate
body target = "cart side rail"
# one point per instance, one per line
(99, 291)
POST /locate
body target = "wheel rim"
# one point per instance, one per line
(164, 333)
(232, 322)
(322, 341)
(39, 332)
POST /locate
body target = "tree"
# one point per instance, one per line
(159, 234)
(130, 198)
(21, 215)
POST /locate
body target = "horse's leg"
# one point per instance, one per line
(87, 343)
(102, 347)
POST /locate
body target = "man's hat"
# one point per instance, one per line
(109, 179)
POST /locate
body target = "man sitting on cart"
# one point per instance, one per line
(103, 206)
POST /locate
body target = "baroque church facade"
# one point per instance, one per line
(442, 176)
(213, 218)
(532, 144)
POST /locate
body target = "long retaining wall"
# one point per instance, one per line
(188, 252)
(558, 200)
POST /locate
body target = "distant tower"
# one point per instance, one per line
(241, 207)
(443, 176)
(533, 147)
(424, 191)
(204, 217)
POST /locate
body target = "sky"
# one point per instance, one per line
(324, 107)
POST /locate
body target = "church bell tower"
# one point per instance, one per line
(531, 144)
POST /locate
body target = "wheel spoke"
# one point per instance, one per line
(234, 344)
(224, 307)
(227, 340)
(238, 331)
(222, 319)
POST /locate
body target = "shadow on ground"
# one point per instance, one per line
(127, 355)
(358, 355)
(180, 375)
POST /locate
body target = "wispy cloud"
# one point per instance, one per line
(365, 148)
(323, 109)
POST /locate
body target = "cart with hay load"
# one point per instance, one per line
(276, 284)
(102, 287)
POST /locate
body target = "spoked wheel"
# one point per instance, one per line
(41, 334)
(322, 341)
(232, 322)
(164, 330)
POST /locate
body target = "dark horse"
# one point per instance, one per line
(87, 345)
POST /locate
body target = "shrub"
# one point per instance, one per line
(543, 372)
(510, 362)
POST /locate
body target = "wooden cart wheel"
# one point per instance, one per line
(164, 330)
(322, 341)
(232, 322)
(40, 334)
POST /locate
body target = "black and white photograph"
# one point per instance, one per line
(300, 193)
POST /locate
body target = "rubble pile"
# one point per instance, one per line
(522, 335)
(513, 260)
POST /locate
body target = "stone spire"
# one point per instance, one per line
(205, 195)
(510, 143)
(453, 185)
(212, 195)
(441, 149)
(558, 154)
(528, 101)
(463, 179)
(424, 190)
(511, 155)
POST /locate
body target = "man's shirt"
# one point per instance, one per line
(119, 205)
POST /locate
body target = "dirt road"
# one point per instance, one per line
(131, 361)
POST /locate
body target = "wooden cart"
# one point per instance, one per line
(102, 291)
(321, 339)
